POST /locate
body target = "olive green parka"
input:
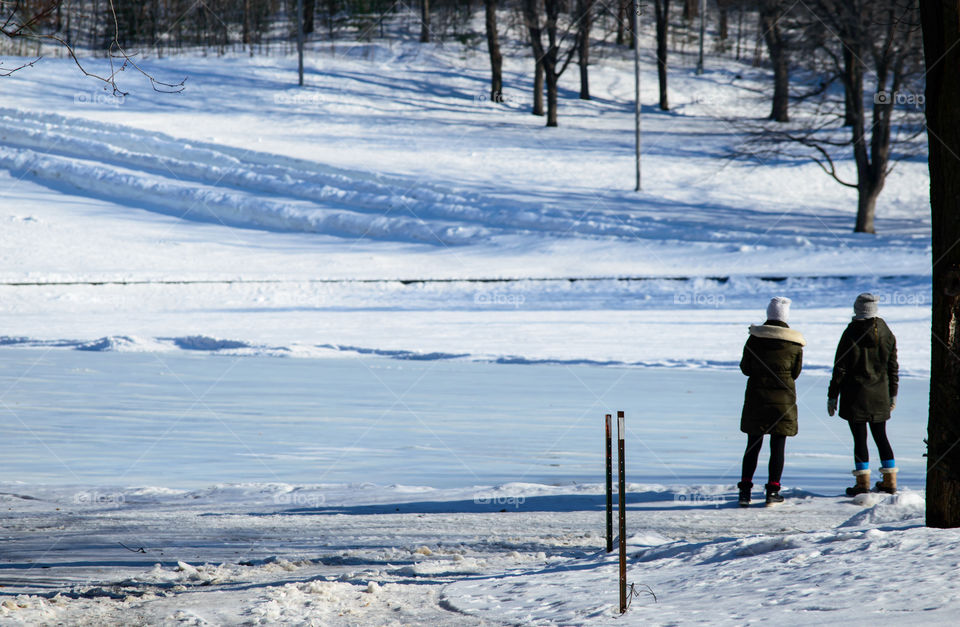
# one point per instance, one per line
(772, 359)
(865, 371)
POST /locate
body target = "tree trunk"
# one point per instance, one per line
(425, 21)
(531, 15)
(866, 208)
(941, 41)
(866, 184)
(308, 12)
(550, 59)
(691, 9)
(585, 13)
(538, 89)
(777, 47)
(723, 27)
(739, 27)
(849, 64)
(493, 46)
(552, 100)
(622, 6)
(662, 10)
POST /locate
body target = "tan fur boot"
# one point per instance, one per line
(863, 483)
(889, 483)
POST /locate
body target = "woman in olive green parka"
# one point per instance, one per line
(772, 359)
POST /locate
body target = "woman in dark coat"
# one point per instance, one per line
(772, 359)
(865, 381)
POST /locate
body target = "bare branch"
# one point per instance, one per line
(16, 26)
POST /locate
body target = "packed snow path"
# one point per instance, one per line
(282, 554)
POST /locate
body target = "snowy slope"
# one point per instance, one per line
(263, 197)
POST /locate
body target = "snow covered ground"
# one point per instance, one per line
(468, 293)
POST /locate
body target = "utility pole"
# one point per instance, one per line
(703, 11)
(300, 40)
(636, 82)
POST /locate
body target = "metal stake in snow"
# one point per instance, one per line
(300, 40)
(622, 512)
(636, 83)
(609, 488)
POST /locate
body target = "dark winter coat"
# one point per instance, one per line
(772, 359)
(865, 371)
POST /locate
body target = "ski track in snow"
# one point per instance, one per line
(260, 190)
(248, 188)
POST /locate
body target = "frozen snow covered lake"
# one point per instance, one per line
(188, 421)
(218, 489)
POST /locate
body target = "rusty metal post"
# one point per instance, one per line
(609, 486)
(622, 511)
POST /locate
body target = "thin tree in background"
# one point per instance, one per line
(622, 8)
(584, 24)
(662, 11)
(548, 57)
(424, 21)
(493, 47)
(531, 16)
(941, 40)
(771, 11)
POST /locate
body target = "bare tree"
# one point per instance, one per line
(531, 17)
(941, 39)
(622, 7)
(662, 11)
(425, 21)
(584, 24)
(493, 47)
(771, 12)
(548, 57)
(881, 39)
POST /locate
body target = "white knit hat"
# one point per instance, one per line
(779, 308)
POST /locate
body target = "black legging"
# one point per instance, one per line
(879, 430)
(750, 456)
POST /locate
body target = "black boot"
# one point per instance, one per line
(773, 494)
(745, 487)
